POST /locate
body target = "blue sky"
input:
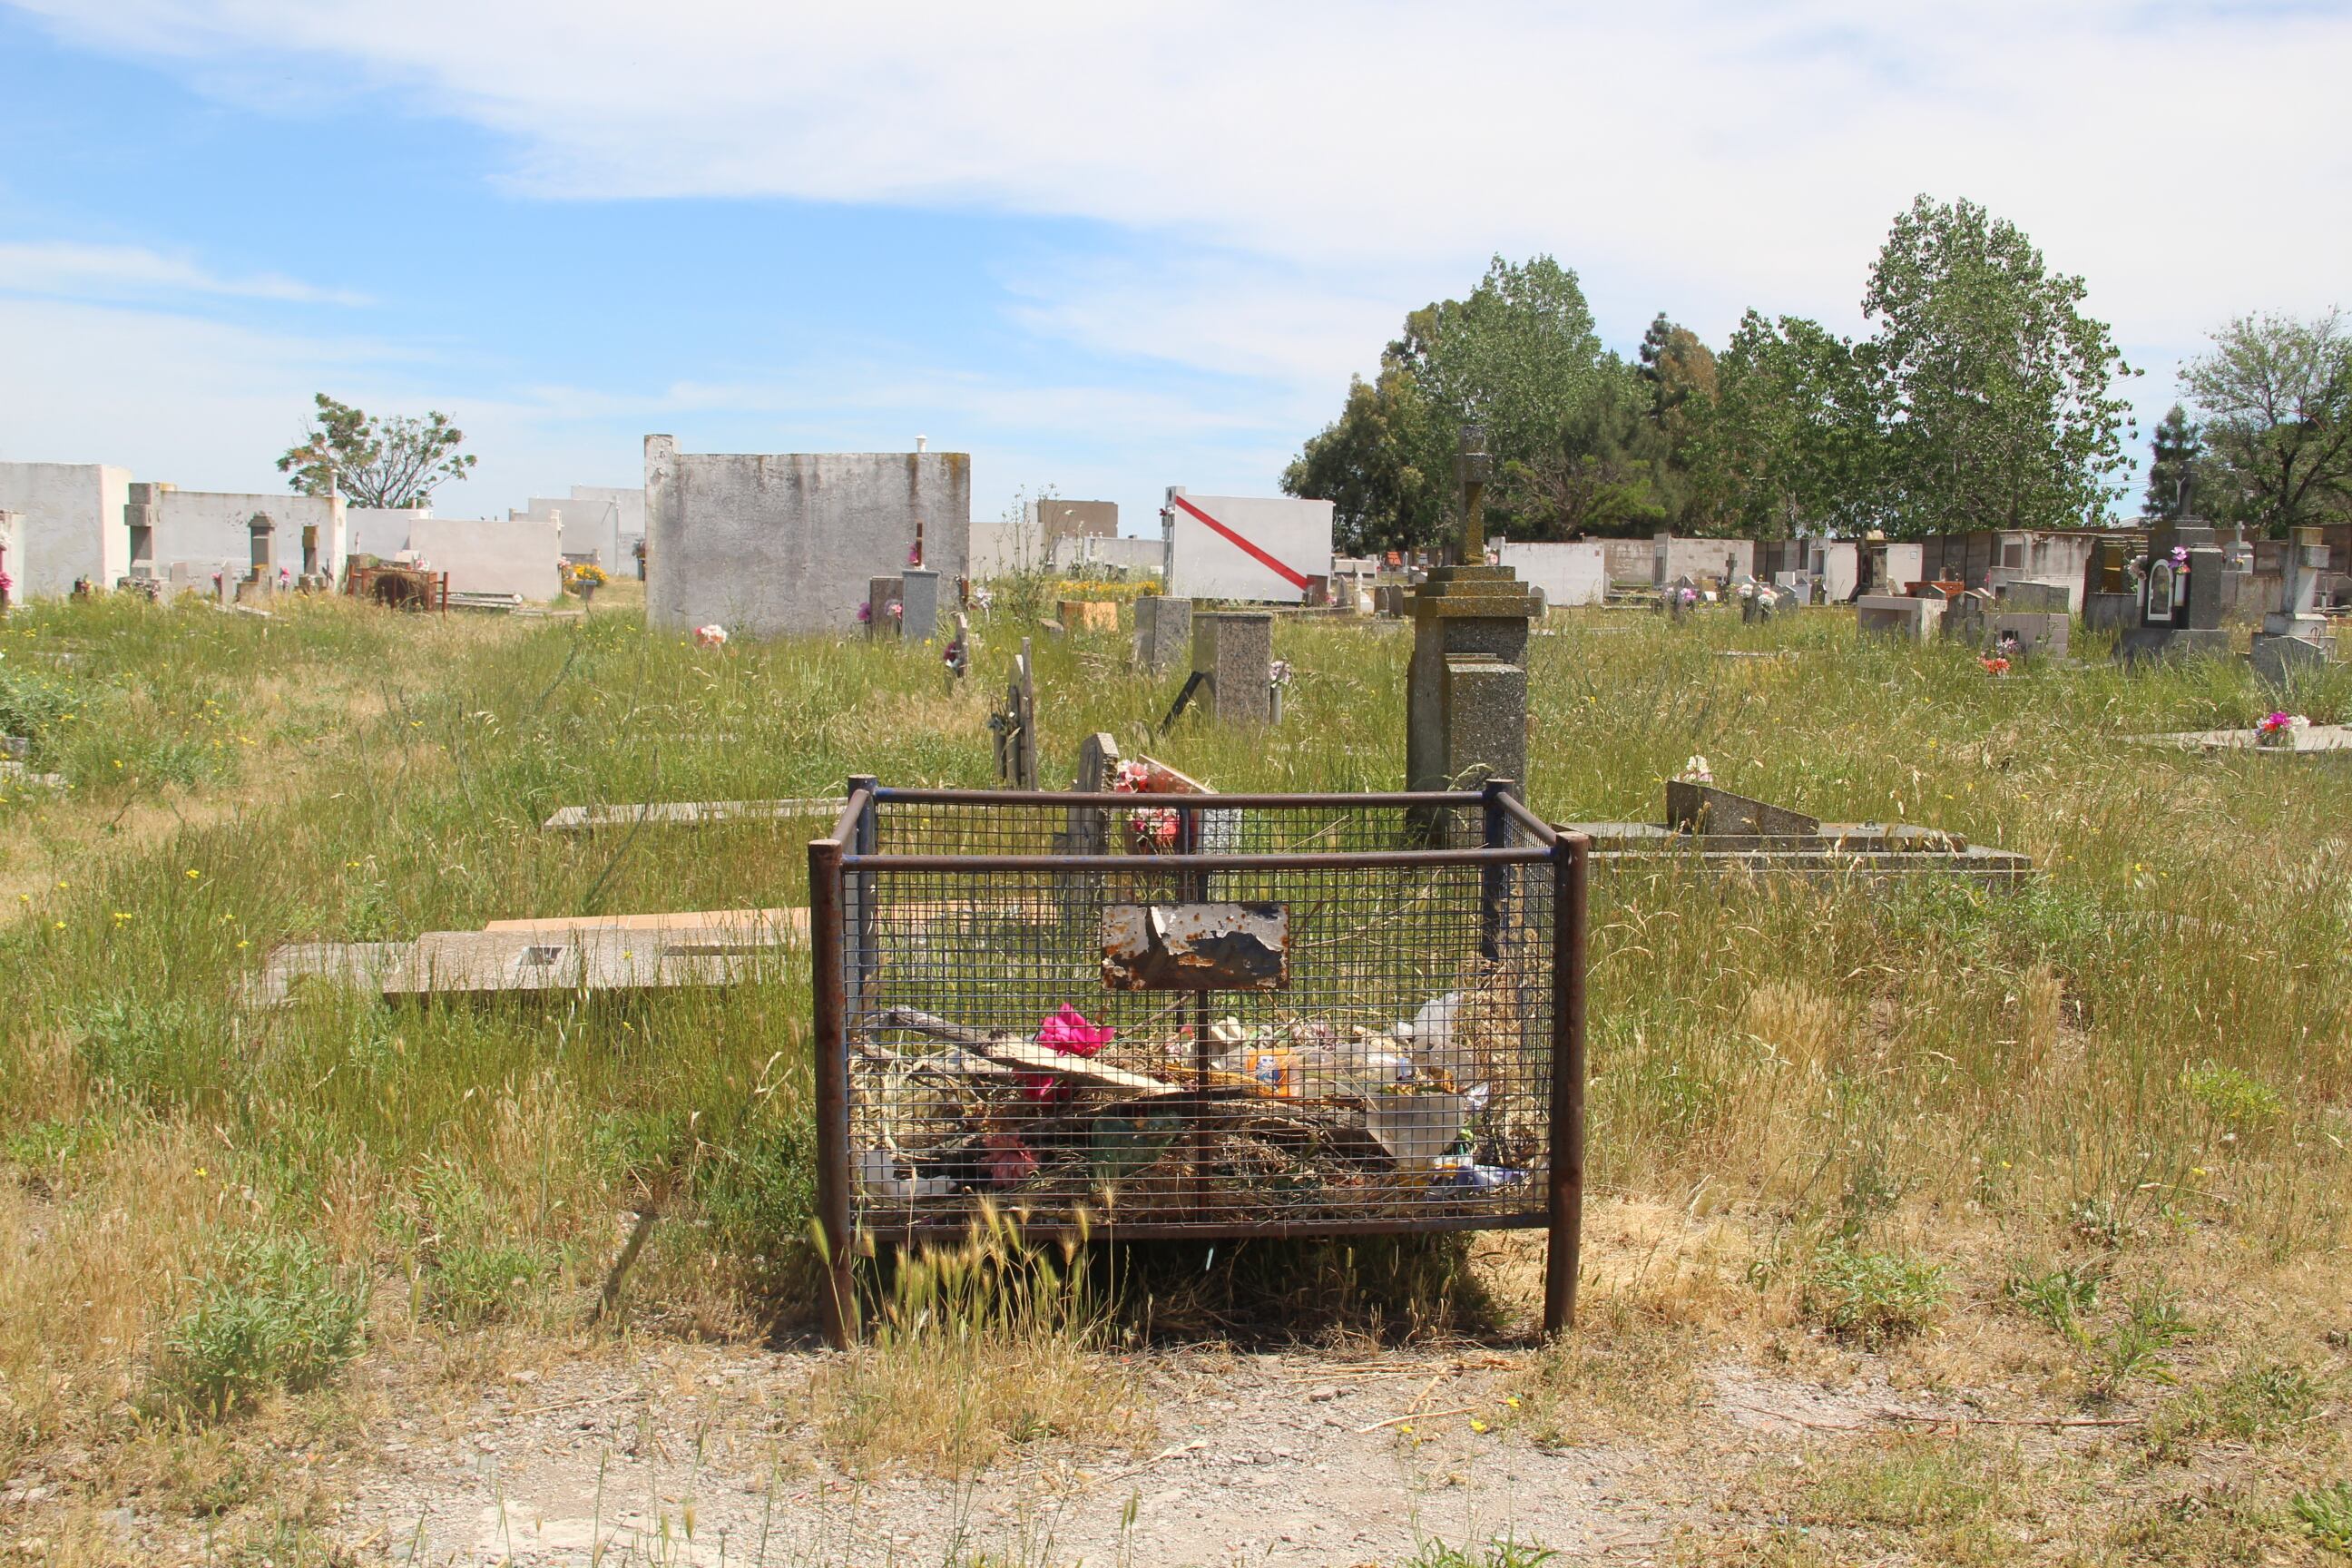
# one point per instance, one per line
(1105, 249)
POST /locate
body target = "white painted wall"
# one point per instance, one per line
(209, 529)
(1074, 556)
(1202, 564)
(1575, 572)
(594, 518)
(71, 527)
(380, 530)
(1836, 564)
(483, 556)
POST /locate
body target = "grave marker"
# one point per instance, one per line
(1015, 727)
(1233, 653)
(1465, 707)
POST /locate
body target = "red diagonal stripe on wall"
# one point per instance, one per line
(1247, 548)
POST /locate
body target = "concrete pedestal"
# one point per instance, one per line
(2107, 612)
(1163, 630)
(1236, 650)
(919, 592)
(1467, 696)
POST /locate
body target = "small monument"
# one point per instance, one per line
(1233, 660)
(1467, 694)
(885, 605)
(2181, 596)
(261, 582)
(2294, 635)
(919, 597)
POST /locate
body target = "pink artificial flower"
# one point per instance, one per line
(1067, 1032)
(864, 613)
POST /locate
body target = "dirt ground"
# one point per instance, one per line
(706, 1456)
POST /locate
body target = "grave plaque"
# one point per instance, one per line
(1233, 651)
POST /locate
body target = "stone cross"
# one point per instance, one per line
(1472, 468)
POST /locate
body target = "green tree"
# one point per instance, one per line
(2177, 451)
(2277, 396)
(1382, 463)
(1790, 440)
(1600, 473)
(1996, 392)
(1681, 378)
(1519, 355)
(396, 461)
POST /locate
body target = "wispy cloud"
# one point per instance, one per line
(66, 269)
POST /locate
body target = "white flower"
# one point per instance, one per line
(1695, 770)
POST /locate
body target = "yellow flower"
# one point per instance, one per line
(1512, 1400)
(1477, 1424)
(194, 873)
(120, 915)
(61, 925)
(242, 944)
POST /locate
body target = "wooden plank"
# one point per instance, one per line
(686, 814)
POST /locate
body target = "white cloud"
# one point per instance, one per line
(1289, 179)
(79, 271)
(1698, 156)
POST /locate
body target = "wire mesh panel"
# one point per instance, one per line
(1205, 1016)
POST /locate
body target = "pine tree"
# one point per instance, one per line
(2176, 447)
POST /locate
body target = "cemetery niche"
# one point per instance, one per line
(2181, 597)
(1235, 1015)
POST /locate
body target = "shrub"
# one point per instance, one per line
(1871, 1295)
(471, 1285)
(2230, 1096)
(271, 1315)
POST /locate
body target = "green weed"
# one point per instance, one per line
(1871, 1295)
(2326, 1513)
(270, 1315)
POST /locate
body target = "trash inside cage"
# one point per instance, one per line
(1203, 1015)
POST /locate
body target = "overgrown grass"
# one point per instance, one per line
(2152, 1042)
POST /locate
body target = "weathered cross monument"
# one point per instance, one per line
(1467, 696)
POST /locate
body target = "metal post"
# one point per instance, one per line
(830, 1043)
(1494, 881)
(1570, 864)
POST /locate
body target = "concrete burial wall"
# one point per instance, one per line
(380, 530)
(1674, 555)
(789, 542)
(72, 525)
(1575, 572)
(484, 556)
(1055, 518)
(208, 529)
(608, 519)
(1204, 563)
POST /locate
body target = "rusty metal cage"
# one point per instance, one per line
(1146, 1016)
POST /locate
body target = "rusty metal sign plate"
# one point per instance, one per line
(1196, 947)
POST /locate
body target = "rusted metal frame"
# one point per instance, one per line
(955, 1232)
(837, 1296)
(1517, 810)
(845, 826)
(1565, 1171)
(1167, 864)
(894, 796)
